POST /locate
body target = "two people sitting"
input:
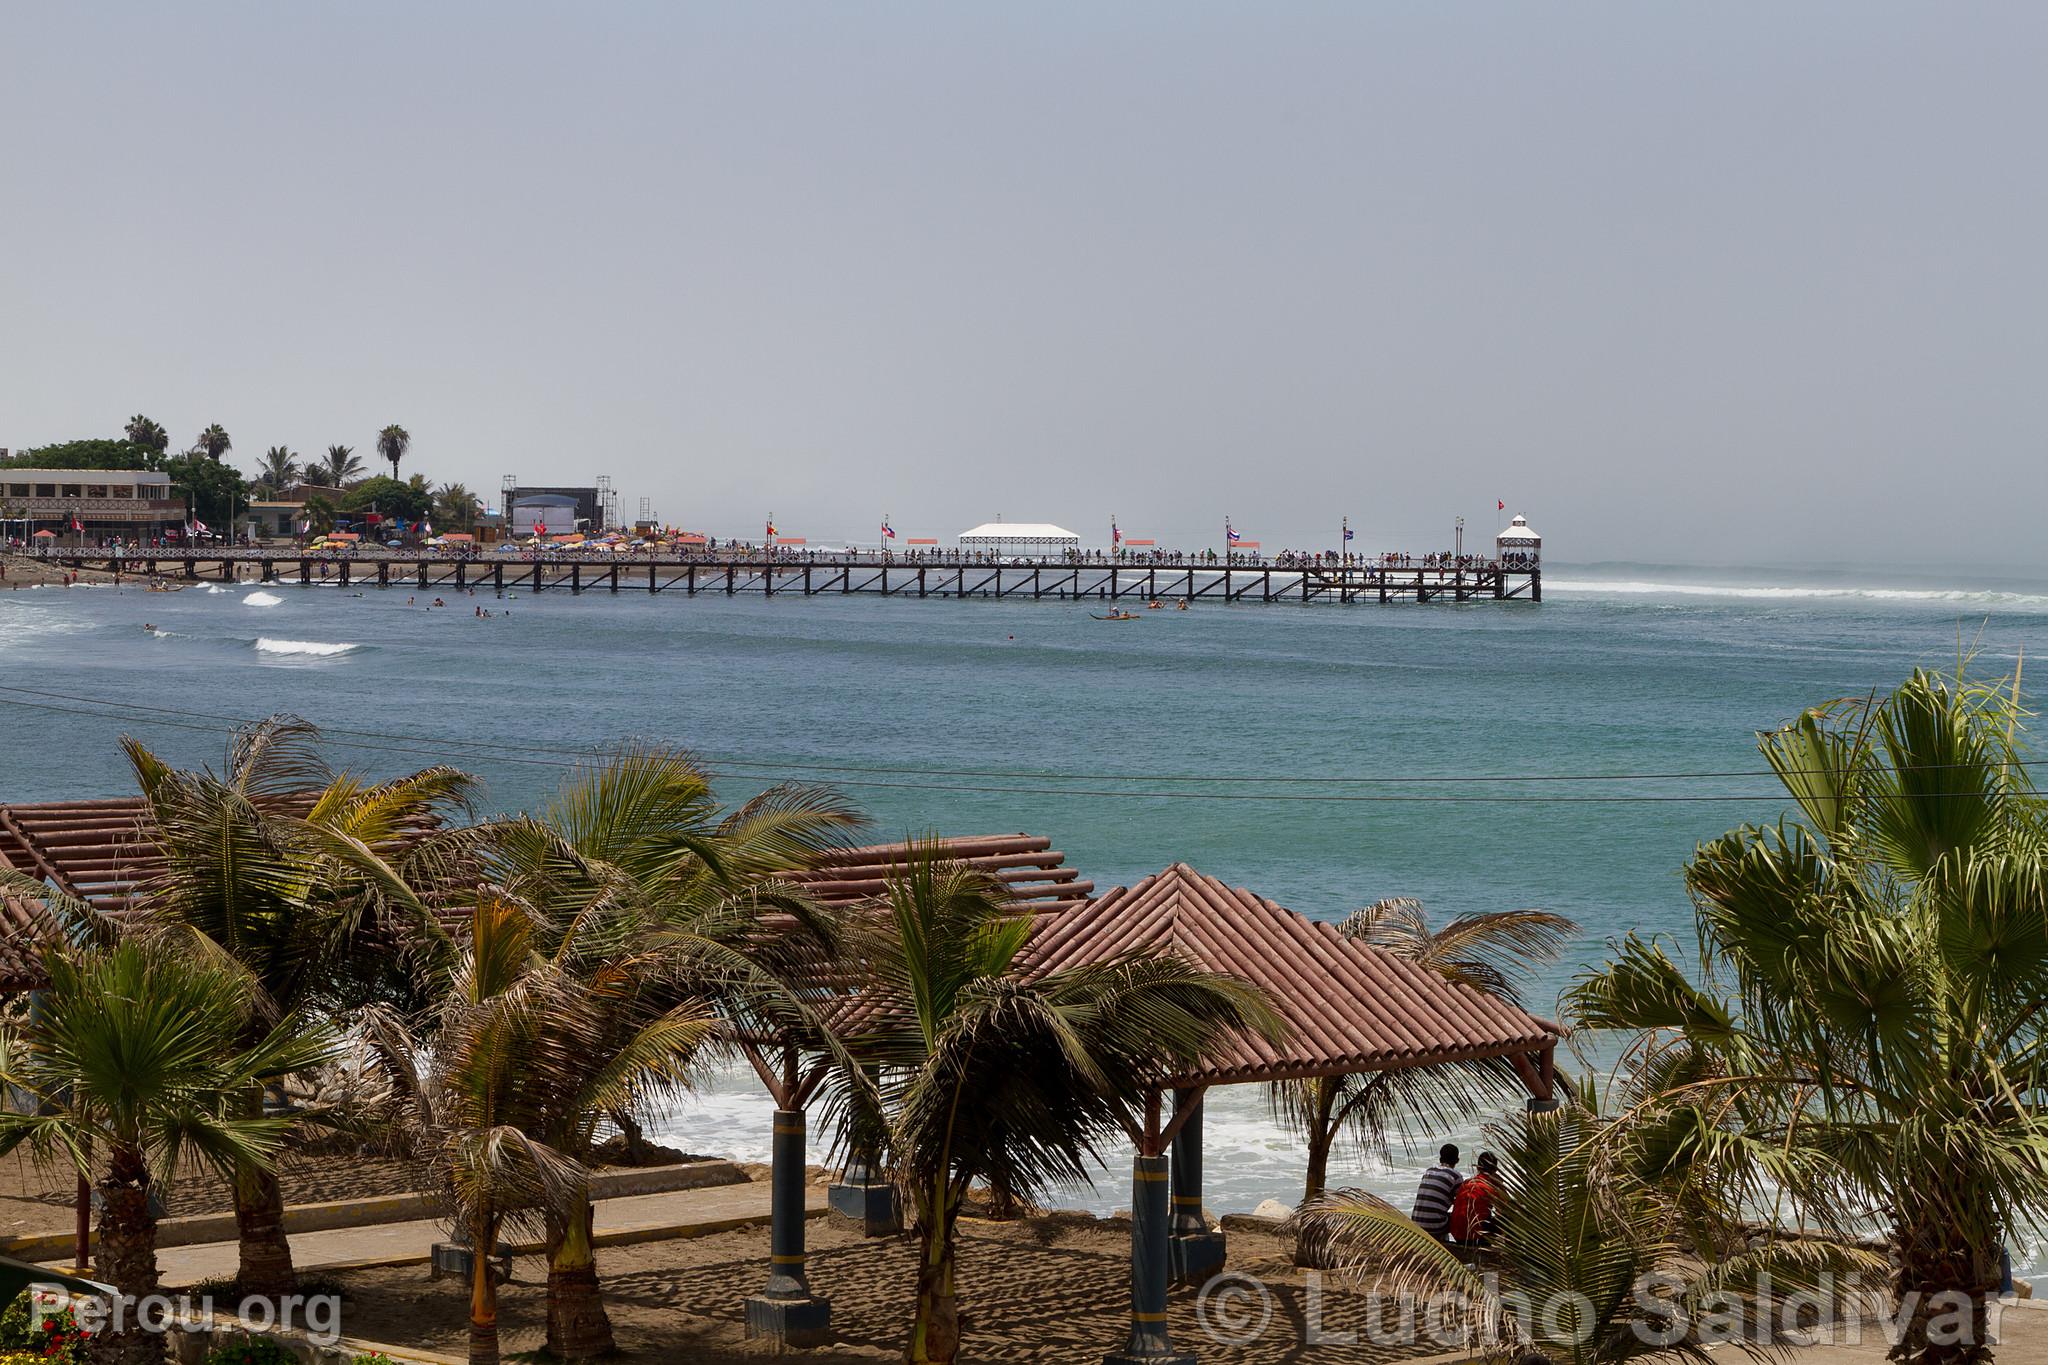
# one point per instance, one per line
(1455, 1209)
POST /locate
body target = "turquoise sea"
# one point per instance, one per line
(1324, 756)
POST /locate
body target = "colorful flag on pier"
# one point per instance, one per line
(1116, 537)
(771, 528)
(888, 531)
(1230, 532)
(1348, 532)
(1499, 506)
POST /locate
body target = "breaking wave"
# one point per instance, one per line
(261, 599)
(1973, 598)
(317, 649)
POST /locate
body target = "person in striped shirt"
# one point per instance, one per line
(1433, 1197)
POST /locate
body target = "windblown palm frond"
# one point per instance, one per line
(972, 1067)
(1868, 1031)
(1490, 953)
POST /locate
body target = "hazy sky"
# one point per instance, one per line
(1698, 282)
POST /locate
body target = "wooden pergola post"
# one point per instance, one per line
(1149, 1342)
(1194, 1251)
(865, 1195)
(786, 1310)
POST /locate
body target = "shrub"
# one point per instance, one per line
(28, 1332)
(251, 1351)
(366, 1358)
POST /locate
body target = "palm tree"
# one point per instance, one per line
(392, 443)
(634, 858)
(137, 1054)
(214, 441)
(320, 512)
(148, 434)
(343, 465)
(455, 507)
(598, 1032)
(1580, 1228)
(525, 1047)
(304, 880)
(1874, 989)
(987, 1072)
(1487, 952)
(279, 470)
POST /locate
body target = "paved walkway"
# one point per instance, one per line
(633, 1218)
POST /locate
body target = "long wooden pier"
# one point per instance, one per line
(1036, 580)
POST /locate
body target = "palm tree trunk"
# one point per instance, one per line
(265, 1267)
(935, 1331)
(483, 1294)
(1939, 1271)
(1322, 1138)
(127, 1258)
(578, 1326)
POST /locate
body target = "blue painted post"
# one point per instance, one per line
(1196, 1253)
(1149, 1342)
(786, 1310)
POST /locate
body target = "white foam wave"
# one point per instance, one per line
(319, 649)
(2004, 601)
(261, 599)
(212, 588)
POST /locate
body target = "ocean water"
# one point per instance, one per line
(1324, 756)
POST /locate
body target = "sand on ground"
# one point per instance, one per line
(1049, 1289)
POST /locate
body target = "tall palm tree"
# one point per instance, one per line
(279, 470)
(134, 1059)
(455, 507)
(392, 443)
(1582, 1225)
(308, 882)
(214, 441)
(1488, 952)
(525, 1053)
(634, 857)
(1874, 986)
(343, 465)
(148, 433)
(988, 1072)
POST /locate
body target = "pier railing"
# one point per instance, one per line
(1120, 582)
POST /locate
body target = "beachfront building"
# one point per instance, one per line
(1020, 539)
(85, 506)
(1519, 544)
(273, 518)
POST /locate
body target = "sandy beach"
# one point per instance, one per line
(1049, 1289)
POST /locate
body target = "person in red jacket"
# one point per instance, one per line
(1472, 1206)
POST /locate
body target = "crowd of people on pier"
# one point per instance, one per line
(747, 552)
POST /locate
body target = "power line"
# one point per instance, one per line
(461, 750)
(523, 752)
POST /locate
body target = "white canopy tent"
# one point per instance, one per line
(1027, 539)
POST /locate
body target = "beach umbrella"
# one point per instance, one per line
(44, 535)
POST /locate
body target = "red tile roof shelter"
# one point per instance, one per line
(1348, 1006)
